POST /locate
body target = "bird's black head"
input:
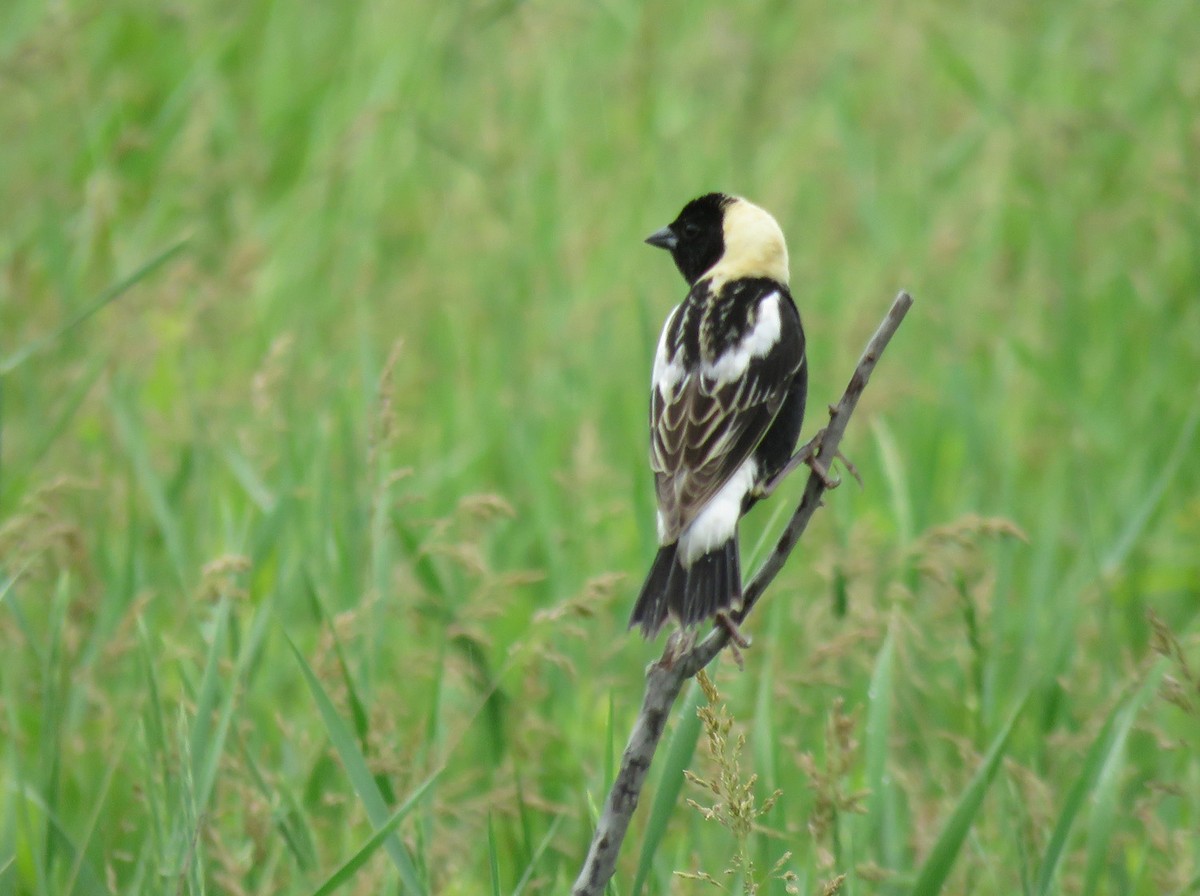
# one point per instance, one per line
(696, 239)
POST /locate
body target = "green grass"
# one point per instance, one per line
(329, 325)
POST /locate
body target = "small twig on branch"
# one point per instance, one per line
(665, 678)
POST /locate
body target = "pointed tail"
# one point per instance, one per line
(714, 583)
(665, 580)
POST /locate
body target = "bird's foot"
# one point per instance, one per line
(808, 455)
(737, 641)
(814, 463)
(850, 468)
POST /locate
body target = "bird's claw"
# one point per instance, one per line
(809, 456)
(737, 641)
(850, 468)
(830, 482)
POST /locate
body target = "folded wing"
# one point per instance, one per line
(709, 419)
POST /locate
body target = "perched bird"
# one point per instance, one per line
(726, 403)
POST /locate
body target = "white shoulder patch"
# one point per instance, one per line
(763, 336)
(668, 371)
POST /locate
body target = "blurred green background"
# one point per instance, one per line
(329, 326)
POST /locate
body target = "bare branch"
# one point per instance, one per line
(665, 678)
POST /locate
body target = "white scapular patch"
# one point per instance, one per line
(763, 337)
(717, 522)
(667, 371)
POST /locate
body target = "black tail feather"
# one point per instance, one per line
(665, 577)
(711, 584)
(714, 583)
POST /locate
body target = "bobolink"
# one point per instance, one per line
(726, 403)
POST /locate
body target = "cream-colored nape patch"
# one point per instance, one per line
(754, 246)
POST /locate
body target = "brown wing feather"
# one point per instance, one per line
(701, 437)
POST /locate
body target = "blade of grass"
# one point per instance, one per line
(1106, 784)
(293, 827)
(154, 741)
(878, 728)
(186, 839)
(208, 695)
(216, 698)
(1020, 821)
(150, 482)
(87, 882)
(382, 834)
(54, 683)
(111, 294)
(70, 404)
(896, 477)
(764, 722)
(29, 832)
(769, 534)
(764, 742)
(940, 860)
(357, 711)
(493, 858)
(208, 740)
(1140, 517)
(610, 747)
(7, 585)
(432, 747)
(360, 775)
(77, 866)
(1102, 756)
(249, 479)
(537, 856)
(526, 844)
(945, 52)
(678, 757)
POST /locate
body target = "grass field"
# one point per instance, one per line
(325, 335)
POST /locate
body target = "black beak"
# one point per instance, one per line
(664, 239)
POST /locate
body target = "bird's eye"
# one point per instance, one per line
(691, 230)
